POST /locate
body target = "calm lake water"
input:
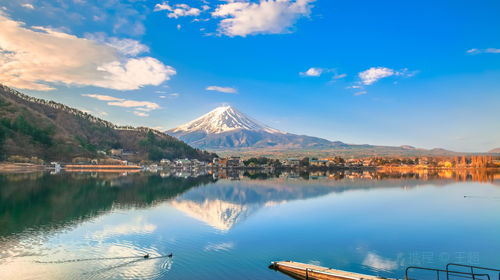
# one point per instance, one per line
(97, 226)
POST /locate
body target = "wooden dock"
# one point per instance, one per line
(304, 271)
(102, 168)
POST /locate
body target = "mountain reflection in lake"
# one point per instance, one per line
(230, 226)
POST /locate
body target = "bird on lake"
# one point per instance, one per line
(171, 255)
(146, 256)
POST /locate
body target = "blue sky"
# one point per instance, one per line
(421, 73)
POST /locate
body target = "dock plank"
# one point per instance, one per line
(313, 272)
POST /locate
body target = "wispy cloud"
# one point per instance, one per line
(222, 89)
(316, 72)
(128, 47)
(363, 92)
(313, 72)
(488, 50)
(140, 107)
(170, 95)
(103, 97)
(339, 76)
(33, 58)
(141, 114)
(266, 17)
(375, 74)
(28, 6)
(178, 10)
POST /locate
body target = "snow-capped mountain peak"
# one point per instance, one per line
(227, 128)
(223, 119)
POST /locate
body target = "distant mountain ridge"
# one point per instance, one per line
(494, 151)
(227, 128)
(229, 131)
(49, 130)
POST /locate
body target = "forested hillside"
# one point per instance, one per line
(32, 127)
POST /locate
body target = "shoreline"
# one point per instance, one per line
(8, 167)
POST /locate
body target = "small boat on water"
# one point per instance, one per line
(313, 272)
(304, 271)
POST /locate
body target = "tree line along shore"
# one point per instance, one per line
(19, 163)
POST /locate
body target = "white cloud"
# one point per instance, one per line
(488, 50)
(128, 46)
(28, 6)
(243, 18)
(339, 76)
(124, 46)
(167, 95)
(313, 72)
(140, 107)
(374, 74)
(162, 7)
(141, 114)
(102, 97)
(360, 93)
(32, 58)
(316, 72)
(179, 10)
(134, 73)
(222, 89)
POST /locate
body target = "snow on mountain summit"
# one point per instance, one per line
(223, 119)
(227, 128)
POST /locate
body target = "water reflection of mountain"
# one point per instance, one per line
(32, 201)
(226, 203)
(40, 200)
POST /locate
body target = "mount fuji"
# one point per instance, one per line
(227, 128)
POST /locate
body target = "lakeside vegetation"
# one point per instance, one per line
(456, 162)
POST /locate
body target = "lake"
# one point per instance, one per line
(231, 226)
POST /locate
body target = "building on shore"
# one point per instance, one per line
(291, 162)
(233, 162)
(319, 162)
